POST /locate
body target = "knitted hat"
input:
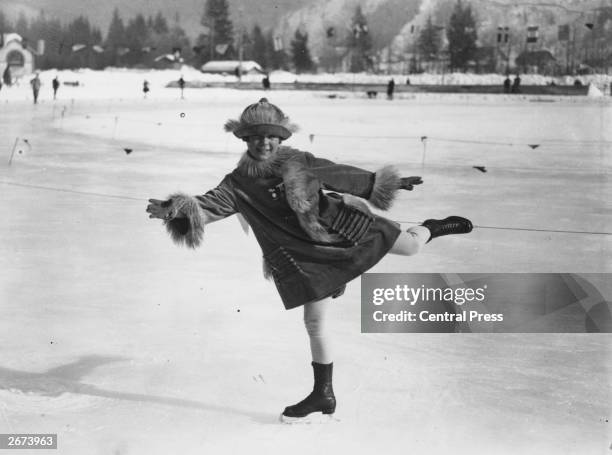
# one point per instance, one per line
(261, 119)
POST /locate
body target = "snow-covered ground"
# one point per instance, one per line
(127, 84)
(121, 343)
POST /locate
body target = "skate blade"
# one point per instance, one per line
(314, 418)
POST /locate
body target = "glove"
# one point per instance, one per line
(407, 183)
(164, 210)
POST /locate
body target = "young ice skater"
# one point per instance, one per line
(313, 242)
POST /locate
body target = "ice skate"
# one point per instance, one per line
(320, 405)
(447, 226)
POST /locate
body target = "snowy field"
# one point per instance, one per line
(122, 343)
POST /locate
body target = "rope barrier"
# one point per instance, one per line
(462, 141)
(65, 190)
(422, 139)
(504, 228)
(533, 145)
(129, 198)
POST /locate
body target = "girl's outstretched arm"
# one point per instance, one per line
(379, 187)
(185, 216)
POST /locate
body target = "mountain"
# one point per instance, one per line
(393, 24)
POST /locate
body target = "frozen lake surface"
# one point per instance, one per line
(122, 343)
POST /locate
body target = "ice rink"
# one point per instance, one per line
(122, 343)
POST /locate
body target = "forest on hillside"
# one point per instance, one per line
(453, 37)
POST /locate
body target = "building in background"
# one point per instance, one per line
(15, 54)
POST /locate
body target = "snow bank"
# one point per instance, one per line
(594, 92)
(122, 83)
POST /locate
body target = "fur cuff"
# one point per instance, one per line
(187, 228)
(386, 183)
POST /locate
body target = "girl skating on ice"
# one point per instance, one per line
(313, 242)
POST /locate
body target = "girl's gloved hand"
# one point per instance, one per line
(164, 210)
(407, 183)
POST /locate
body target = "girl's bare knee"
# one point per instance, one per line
(405, 246)
(411, 241)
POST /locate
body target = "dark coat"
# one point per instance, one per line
(306, 267)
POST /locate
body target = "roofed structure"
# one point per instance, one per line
(231, 67)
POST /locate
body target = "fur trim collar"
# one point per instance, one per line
(272, 167)
(249, 167)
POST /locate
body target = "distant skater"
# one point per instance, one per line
(265, 82)
(145, 88)
(313, 242)
(35, 83)
(181, 83)
(507, 84)
(516, 84)
(56, 85)
(390, 89)
(6, 76)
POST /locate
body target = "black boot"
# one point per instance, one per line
(321, 399)
(450, 225)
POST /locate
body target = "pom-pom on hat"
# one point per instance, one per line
(261, 119)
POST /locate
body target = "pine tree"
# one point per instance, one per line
(37, 32)
(37, 27)
(97, 60)
(260, 55)
(115, 38)
(461, 36)
(429, 41)
(160, 25)
(56, 50)
(5, 25)
(136, 32)
(116, 30)
(79, 32)
(221, 30)
(164, 40)
(136, 38)
(96, 36)
(177, 38)
(360, 43)
(246, 42)
(300, 53)
(21, 27)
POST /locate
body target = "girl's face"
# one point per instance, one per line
(262, 147)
